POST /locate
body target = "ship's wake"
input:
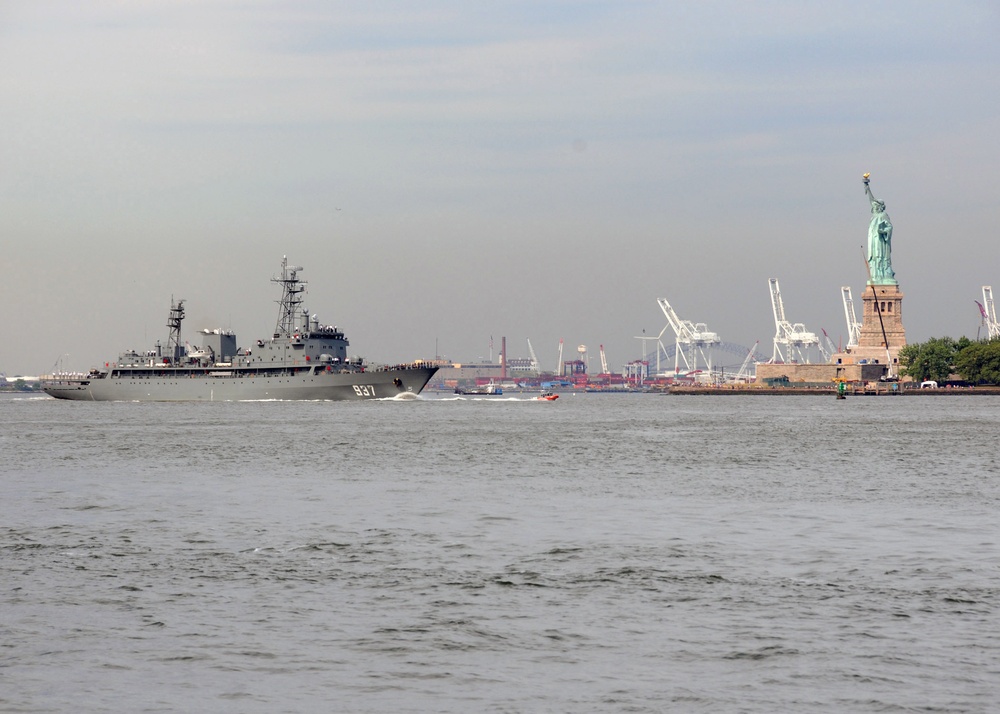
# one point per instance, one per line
(470, 398)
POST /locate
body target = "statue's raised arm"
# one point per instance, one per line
(871, 196)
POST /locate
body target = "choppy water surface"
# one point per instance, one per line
(600, 553)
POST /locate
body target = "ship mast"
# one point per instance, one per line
(175, 347)
(291, 297)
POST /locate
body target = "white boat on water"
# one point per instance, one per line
(491, 389)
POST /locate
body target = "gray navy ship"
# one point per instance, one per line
(302, 360)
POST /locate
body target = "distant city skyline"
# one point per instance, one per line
(447, 172)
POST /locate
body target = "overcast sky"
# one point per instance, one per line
(450, 171)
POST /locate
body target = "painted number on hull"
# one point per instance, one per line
(365, 390)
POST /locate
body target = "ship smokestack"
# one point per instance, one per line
(503, 358)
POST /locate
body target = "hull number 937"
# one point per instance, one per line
(364, 390)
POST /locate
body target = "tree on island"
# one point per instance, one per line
(16, 385)
(979, 363)
(940, 357)
(931, 360)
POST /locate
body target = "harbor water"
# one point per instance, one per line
(600, 553)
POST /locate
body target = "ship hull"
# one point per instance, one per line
(353, 386)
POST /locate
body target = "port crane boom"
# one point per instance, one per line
(793, 337)
(534, 359)
(853, 326)
(692, 339)
(989, 314)
(744, 374)
(660, 349)
(826, 346)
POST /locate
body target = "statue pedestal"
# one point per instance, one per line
(872, 345)
(890, 306)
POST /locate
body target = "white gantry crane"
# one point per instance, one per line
(659, 346)
(604, 362)
(853, 326)
(793, 338)
(692, 339)
(744, 374)
(536, 368)
(826, 347)
(989, 314)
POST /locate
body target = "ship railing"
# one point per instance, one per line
(396, 367)
(64, 376)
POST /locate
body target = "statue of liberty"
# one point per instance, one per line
(879, 242)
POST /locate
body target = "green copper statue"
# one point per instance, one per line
(879, 243)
